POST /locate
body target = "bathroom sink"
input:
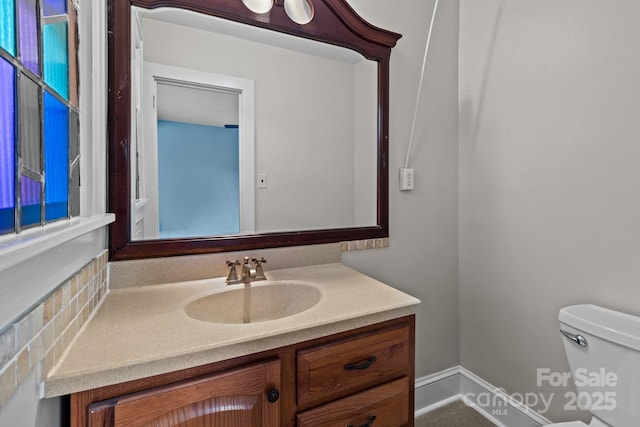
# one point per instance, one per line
(258, 302)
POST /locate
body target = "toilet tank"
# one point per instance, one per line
(605, 366)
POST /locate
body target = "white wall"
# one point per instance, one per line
(365, 159)
(549, 178)
(422, 257)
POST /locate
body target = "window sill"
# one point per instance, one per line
(15, 249)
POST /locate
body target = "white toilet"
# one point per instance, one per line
(603, 350)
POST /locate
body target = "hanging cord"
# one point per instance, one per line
(424, 64)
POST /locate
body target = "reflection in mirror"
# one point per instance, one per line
(194, 171)
(300, 11)
(197, 143)
(258, 6)
(311, 108)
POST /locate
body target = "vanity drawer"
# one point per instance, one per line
(388, 403)
(332, 371)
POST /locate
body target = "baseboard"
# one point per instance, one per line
(436, 390)
(457, 383)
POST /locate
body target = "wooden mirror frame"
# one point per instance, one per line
(334, 22)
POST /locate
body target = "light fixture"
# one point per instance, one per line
(299, 11)
(259, 6)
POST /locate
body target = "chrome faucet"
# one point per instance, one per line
(249, 273)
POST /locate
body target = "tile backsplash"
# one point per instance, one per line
(363, 245)
(39, 338)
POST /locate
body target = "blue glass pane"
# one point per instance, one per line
(28, 30)
(56, 59)
(7, 146)
(54, 7)
(30, 201)
(56, 158)
(7, 221)
(8, 26)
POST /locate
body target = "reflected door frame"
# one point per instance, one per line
(155, 73)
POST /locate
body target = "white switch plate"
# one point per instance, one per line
(262, 180)
(406, 179)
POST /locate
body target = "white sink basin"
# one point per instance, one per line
(258, 302)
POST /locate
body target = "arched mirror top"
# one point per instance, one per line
(331, 22)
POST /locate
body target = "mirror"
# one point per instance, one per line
(274, 86)
(314, 127)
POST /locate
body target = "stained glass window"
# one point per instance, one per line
(7, 148)
(29, 124)
(56, 157)
(73, 56)
(74, 159)
(28, 34)
(54, 7)
(56, 57)
(39, 117)
(8, 26)
(30, 196)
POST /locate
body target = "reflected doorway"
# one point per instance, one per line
(196, 175)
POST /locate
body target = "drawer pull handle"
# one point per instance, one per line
(360, 365)
(372, 418)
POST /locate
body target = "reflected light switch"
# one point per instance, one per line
(262, 180)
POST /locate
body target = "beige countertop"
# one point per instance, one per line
(140, 332)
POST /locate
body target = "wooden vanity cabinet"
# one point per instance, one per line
(362, 377)
(247, 396)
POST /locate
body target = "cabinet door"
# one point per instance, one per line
(241, 397)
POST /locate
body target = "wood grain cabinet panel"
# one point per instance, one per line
(334, 381)
(332, 371)
(383, 406)
(238, 397)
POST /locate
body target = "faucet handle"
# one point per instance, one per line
(259, 271)
(233, 274)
